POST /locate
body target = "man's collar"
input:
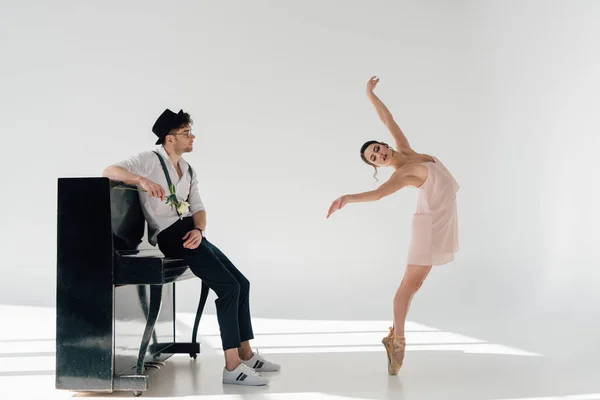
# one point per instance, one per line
(182, 163)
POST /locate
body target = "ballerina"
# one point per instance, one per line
(435, 223)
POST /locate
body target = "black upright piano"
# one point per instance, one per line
(115, 302)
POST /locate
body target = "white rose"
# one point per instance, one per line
(183, 207)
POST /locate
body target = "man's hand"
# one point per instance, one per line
(194, 238)
(153, 189)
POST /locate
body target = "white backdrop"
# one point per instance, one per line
(504, 93)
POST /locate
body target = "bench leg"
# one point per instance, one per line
(201, 304)
(155, 303)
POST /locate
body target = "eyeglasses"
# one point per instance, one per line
(186, 133)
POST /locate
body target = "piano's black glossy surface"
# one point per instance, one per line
(115, 304)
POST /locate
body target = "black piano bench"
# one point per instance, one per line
(112, 298)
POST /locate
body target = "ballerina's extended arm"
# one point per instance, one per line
(394, 184)
(386, 117)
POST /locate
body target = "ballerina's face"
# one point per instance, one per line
(379, 154)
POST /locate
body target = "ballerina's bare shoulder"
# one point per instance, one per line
(412, 165)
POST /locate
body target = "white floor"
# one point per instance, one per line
(321, 360)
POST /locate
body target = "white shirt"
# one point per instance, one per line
(158, 214)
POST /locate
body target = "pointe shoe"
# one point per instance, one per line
(394, 347)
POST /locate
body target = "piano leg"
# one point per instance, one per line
(155, 303)
(201, 304)
(192, 348)
(143, 296)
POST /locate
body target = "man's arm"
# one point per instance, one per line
(120, 174)
(200, 220)
(193, 238)
(133, 172)
(197, 207)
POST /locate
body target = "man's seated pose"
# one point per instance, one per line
(176, 220)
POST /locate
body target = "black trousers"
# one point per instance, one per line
(209, 263)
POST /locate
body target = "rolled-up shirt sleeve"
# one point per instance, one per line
(141, 164)
(195, 200)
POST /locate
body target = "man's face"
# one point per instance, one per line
(183, 139)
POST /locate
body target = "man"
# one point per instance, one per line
(176, 220)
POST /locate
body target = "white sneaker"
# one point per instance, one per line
(243, 375)
(260, 364)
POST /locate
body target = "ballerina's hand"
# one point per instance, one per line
(372, 84)
(337, 205)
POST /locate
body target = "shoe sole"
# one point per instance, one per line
(245, 383)
(393, 366)
(267, 369)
